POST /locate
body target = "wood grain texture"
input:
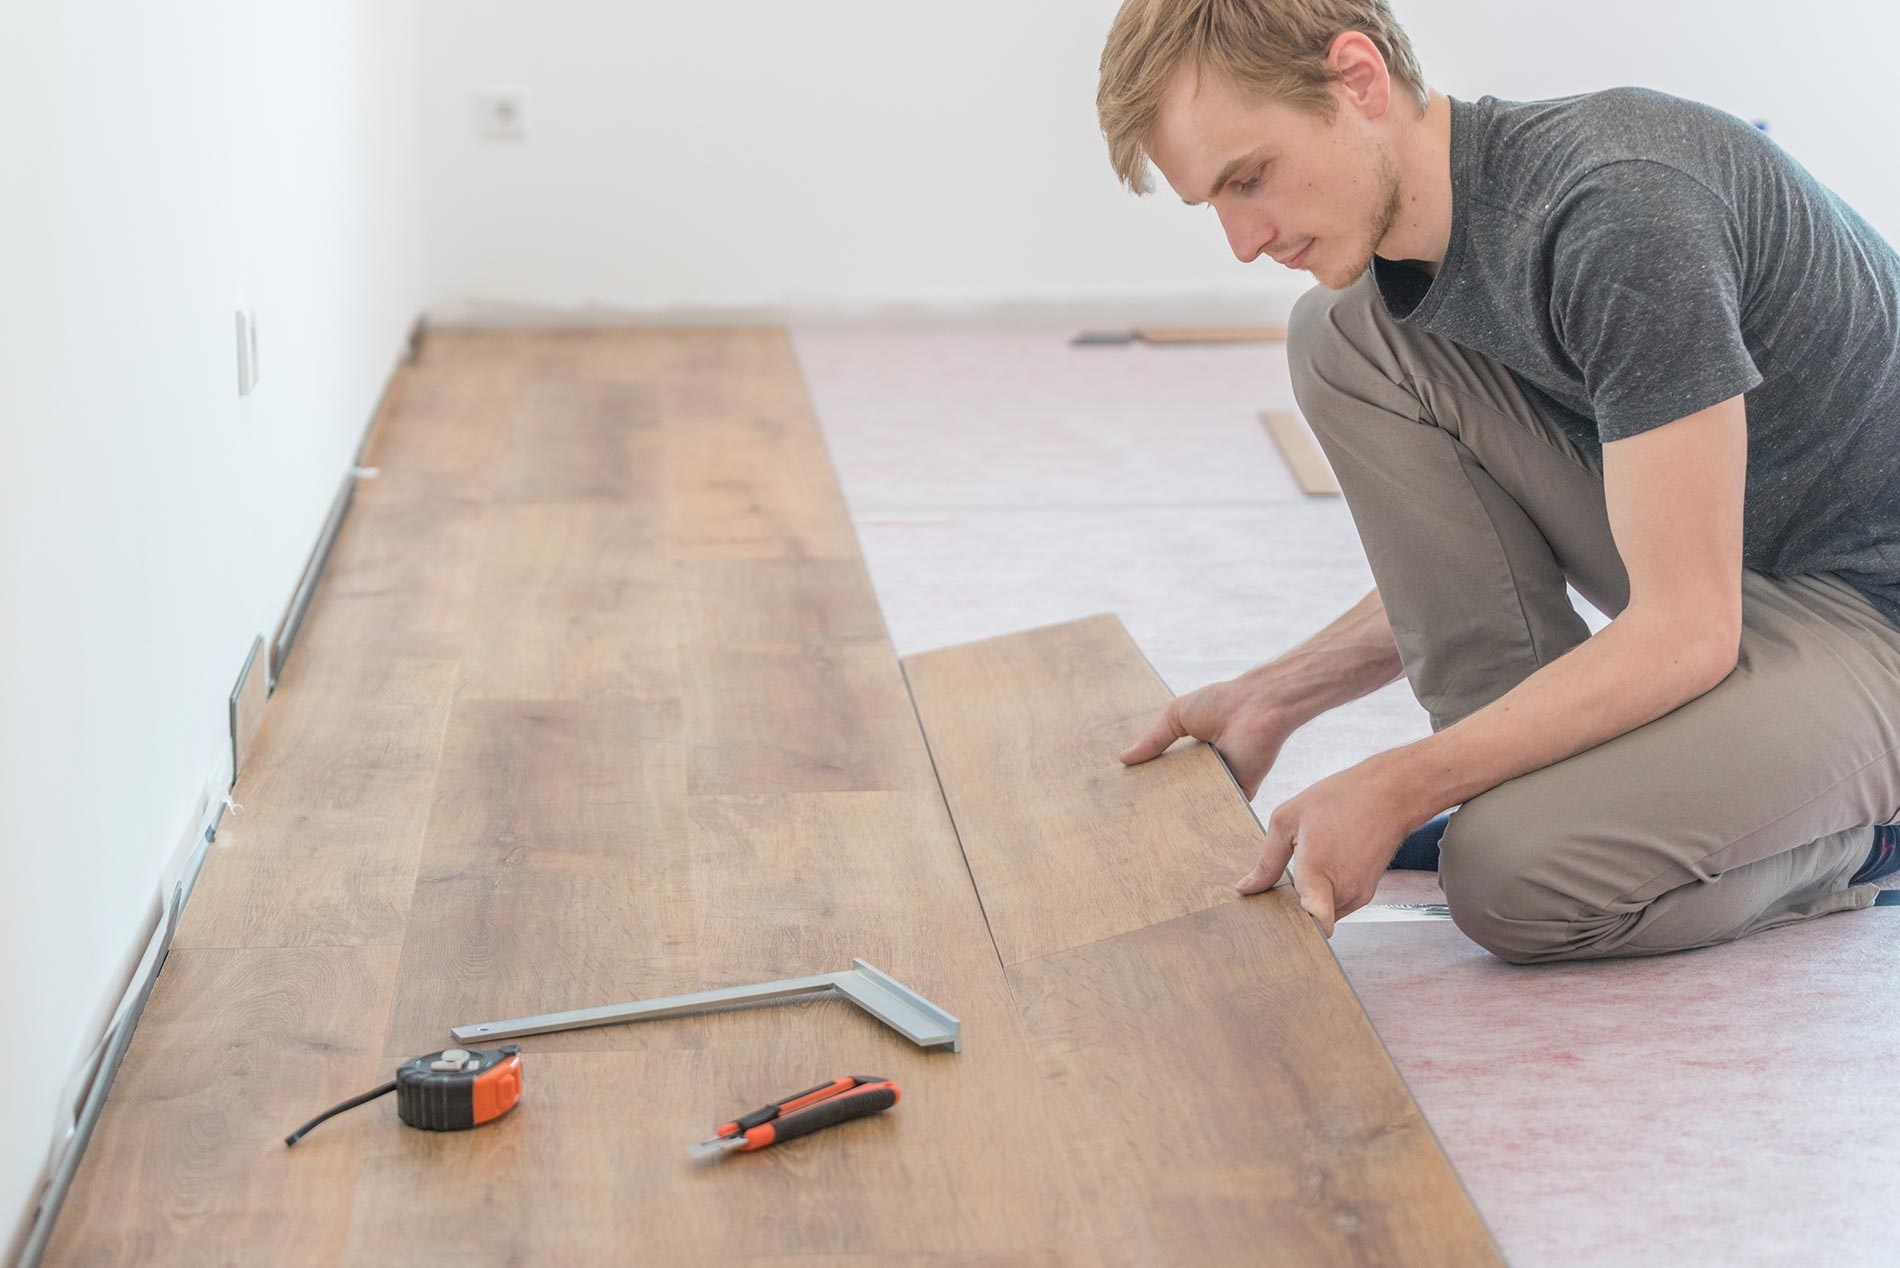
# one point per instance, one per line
(595, 705)
(763, 886)
(1227, 1102)
(572, 600)
(236, 1049)
(401, 578)
(574, 440)
(1301, 451)
(1224, 1099)
(443, 425)
(322, 848)
(1024, 731)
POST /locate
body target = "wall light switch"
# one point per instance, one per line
(246, 351)
(502, 116)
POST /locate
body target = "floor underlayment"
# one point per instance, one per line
(1730, 1106)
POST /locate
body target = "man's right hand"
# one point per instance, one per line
(1245, 729)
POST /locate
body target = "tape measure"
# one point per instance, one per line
(446, 1091)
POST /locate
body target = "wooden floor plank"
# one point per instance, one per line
(555, 864)
(747, 474)
(573, 440)
(1045, 808)
(442, 428)
(783, 605)
(1301, 452)
(1222, 1092)
(572, 601)
(1212, 334)
(322, 847)
(1226, 1099)
(779, 885)
(818, 719)
(401, 578)
(682, 756)
(187, 1164)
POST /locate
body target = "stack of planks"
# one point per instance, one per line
(595, 704)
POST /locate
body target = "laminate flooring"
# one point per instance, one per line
(595, 703)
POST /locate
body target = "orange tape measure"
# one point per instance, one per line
(446, 1091)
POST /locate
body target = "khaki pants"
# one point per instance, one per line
(1745, 809)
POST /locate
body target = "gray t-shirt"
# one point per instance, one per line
(1633, 257)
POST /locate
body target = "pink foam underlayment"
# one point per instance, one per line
(1734, 1105)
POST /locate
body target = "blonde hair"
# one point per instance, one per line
(1274, 50)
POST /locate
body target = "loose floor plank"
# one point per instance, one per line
(1225, 1100)
(1212, 334)
(1301, 451)
(1228, 1102)
(1067, 845)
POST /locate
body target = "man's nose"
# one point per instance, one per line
(1247, 234)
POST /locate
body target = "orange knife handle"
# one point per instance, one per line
(859, 1102)
(791, 1104)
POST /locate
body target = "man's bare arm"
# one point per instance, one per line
(1353, 657)
(1675, 501)
(1247, 719)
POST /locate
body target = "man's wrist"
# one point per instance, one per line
(1274, 703)
(1415, 782)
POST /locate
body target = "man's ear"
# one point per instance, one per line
(1363, 80)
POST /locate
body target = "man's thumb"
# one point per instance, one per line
(1159, 736)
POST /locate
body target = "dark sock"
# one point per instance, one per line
(1883, 859)
(1419, 851)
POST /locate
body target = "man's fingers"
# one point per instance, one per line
(1159, 736)
(1317, 898)
(1272, 865)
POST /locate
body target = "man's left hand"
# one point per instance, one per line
(1340, 835)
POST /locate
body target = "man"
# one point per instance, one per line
(1621, 341)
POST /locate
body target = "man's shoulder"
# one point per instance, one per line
(1612, 125)
(1536, 154)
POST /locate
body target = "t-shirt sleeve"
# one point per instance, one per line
(1646, 286)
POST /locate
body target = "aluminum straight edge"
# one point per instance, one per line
(669, 1006)
(876, 992)
(901, 1008)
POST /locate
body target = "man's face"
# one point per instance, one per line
(1312, 193)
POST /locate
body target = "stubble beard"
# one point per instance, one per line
(1386, 175)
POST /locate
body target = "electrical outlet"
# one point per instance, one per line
(502, 116)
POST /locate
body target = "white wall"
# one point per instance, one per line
(839, 155)
(1814, 72)
(851, 156)
(163, 163)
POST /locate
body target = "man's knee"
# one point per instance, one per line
(1316, 339)
(1493, 867)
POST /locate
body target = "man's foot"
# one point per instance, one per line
(1419, 852)
(1883, 860)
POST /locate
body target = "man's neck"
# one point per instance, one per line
(1422, 231)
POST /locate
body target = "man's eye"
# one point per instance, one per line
(1247, 186)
